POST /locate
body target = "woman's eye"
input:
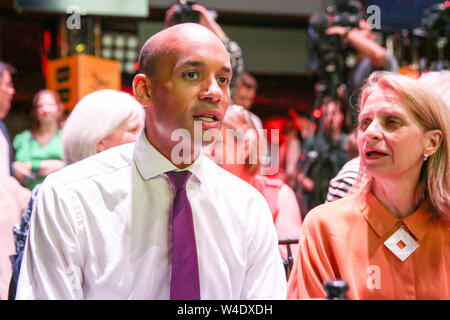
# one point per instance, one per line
(392, 122)
(363, 124)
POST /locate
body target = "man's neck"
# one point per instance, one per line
(181, 156)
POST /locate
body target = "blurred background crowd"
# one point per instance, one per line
(67, 69)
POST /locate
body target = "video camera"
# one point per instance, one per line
(329, 56)
(185, 13)
(435, 30)
(343, 13)
(437, 18)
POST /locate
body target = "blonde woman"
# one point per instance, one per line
(240, 153)
(390, 239)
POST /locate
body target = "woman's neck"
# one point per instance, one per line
(401, 197)
(47, 128)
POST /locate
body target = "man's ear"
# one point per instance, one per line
(141, 89)
(433, 141)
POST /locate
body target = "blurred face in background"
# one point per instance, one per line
(6, 94)
(333, 116)
(244, 96)
(127, 132)
(47, 109)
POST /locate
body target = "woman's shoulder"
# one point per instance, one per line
(24, 135)
(269, 181)
(336, 214)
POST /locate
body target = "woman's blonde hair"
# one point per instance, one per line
(234, 117)
(431, 113)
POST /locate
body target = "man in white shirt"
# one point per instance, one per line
(101, 227)
(6, 94)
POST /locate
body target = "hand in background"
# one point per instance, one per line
(23, 169)
(50, 166)
(206, 20)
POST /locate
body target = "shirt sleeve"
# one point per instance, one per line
(265, 277)
(53, 259)
(313, 265)
(22, 147)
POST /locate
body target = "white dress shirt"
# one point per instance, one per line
(4, 157)
(101, 229)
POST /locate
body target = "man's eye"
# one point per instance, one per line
(223, 80)
(191, 75)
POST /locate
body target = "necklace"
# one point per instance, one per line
(401, 243)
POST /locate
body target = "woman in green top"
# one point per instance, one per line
(39, 150)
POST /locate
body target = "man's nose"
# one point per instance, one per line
(211, 91)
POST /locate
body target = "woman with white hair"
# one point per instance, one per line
(390, 239)
(101, 120)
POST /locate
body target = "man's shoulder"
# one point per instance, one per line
(104, 163)
(227, 182)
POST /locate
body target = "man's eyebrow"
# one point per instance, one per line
(196, 63)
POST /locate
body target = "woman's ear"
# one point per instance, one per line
(433, 141)
(101, 145)
(141, 89)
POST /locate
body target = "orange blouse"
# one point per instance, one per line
(345, 239)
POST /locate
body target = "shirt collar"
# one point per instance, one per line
(151, 163)
(382, 221)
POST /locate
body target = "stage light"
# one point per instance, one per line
(317, 113)
(131, 55)
(80, 47)
(107, 40)
(132, 42)
(107, 53)
(129, 67)
(119, 41)
(119, 54)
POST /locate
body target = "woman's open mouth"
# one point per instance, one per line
(375, 154)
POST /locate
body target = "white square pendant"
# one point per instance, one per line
(401, 244)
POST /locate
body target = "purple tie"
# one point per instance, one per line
(185, 282)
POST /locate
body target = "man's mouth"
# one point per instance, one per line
(206, 118)
(207, 115)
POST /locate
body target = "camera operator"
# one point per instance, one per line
(371, 56)
(188, 11)
(329, 145)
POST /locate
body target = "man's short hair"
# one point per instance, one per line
(247, 80)
(6, 67)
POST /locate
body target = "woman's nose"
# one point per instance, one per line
(374, 130)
